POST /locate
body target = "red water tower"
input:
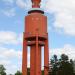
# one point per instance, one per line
(35, 36)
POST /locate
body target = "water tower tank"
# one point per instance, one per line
(36, 23)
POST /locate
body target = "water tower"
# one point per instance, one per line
(35, 36)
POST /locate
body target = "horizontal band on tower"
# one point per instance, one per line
(33, 11)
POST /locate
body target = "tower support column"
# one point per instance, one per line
(37, 60)
(46, 57)
(39, 57)
(24, 59)
(33, 60)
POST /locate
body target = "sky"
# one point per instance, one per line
(61, 30)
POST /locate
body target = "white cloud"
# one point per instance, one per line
(9, 9)
(9, 12)
(9, 37)
(8, 57)
(9, 54)
(64, 11)
(21, 3)
(6, 53)
(4, 62)
(67, 49)
(24, 4)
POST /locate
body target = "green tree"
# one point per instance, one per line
(42, 72)
(54, 63)
(62, 66)
(18, 73)
(10, 74)
(65, 66)
(74, 66)
(2, 70)
(28, 71)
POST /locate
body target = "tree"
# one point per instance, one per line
(64, 58)
(2, 70)
(10, 74)
(66, 67)
(28, 71)
(74, 66)
(42, 72)
(62, 66)
(18, 73)
(54, 63)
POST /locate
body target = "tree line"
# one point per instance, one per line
(61, 66)
(57, 66)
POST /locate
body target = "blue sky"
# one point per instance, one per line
(61, 29)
